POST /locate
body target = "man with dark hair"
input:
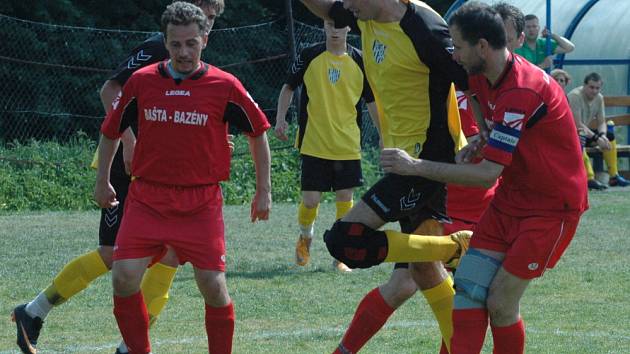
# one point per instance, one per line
(81, 271)
(587, 104)
(535, 49)
(514, 23)
(329, 141)
(532, 219)
(182, 107)
(406, 52)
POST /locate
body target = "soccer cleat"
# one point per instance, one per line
(618, 181)
(27, 329)
(596, 185)
(462, 238)
(341, 267)
(302, 250)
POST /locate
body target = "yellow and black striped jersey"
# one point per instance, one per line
(330, 112)
(411, 71)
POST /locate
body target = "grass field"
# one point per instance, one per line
(583, 306)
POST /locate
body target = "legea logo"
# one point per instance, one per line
(333, 75)
(378, 51)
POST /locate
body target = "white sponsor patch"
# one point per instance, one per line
(504, 138)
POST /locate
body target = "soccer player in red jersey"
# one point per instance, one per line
(183, 107)
(532, 145)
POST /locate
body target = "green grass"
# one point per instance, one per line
(581, 307)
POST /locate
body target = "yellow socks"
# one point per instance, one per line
(155, 285)
(587, 164)
(75, 276)
(306, 219)
(343, 208)
(409, 248)
(610, 157)
(440, 298)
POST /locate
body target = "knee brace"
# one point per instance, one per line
(473, 278)
(355, 244)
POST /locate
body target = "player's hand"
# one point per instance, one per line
(469, 152)
(230, 139)
(545, 32)
(397, 161)
(281, 129)
(128, 155)
(105, 195)
(260, 207)
(604, 143)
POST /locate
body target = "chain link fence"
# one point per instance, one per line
(52, 74)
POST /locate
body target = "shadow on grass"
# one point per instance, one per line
(265, 273)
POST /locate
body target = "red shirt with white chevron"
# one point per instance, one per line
(183, 124)
(533, 135)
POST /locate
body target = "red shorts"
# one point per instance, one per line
(458, 225)
(188, 219)
(531, 244)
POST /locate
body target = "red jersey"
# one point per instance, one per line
(533, 136)
(183, 124)
(463, 202)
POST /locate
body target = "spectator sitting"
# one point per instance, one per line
(534, 48)
(587, 104)
(562, 77)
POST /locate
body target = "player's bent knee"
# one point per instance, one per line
(473, 278)
(355, 244)
(107, 254)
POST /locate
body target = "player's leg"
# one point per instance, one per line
(307, 213)
(219, 310)
(435, 283)
(610, 156)
(75, 276)
(156, 283)
(129, 307)
(356, 240)
(508, 329)
(538, 245)
(343, 204)
(347, 175)
(375, 309)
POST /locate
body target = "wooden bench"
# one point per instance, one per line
(623, 150)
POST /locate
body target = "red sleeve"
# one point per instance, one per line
(513, 111)
(244, 112)
(112, 127)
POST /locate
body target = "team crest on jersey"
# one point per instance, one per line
(333, 75)
(378, 51)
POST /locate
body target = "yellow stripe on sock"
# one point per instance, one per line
(610, 157)
(587, 164)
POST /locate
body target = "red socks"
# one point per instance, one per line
(510, 339)
(220, 328)
(469, 330)
(369, 317)
(133, 322)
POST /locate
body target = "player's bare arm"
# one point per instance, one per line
(261, 204)
(483, 174)
(104, 193)
(284, 100)
(319, 7)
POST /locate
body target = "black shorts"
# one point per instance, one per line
(112, 217)
(323, 175)
(410, 200)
